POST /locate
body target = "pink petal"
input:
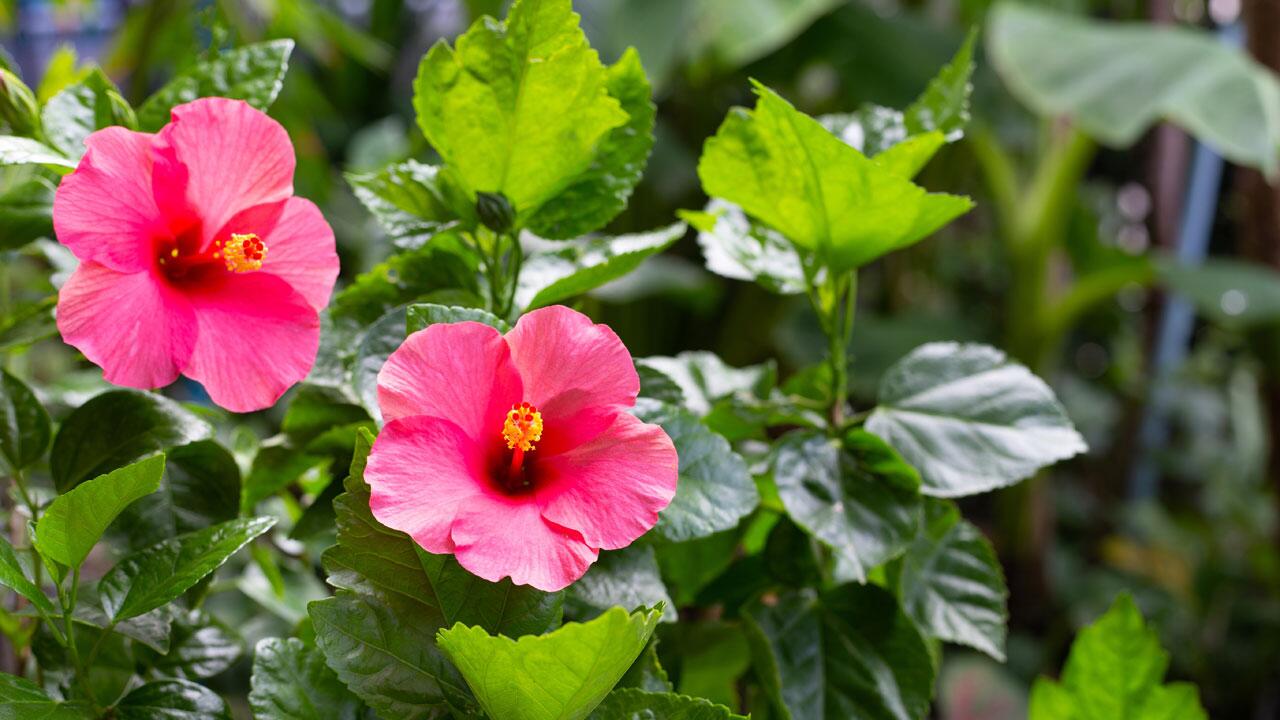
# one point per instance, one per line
(140, 331)
(105, 211)
(461, 372)
(420, 471)
(300, 246)
(576, 373)
(497, 536)
(257, 337)
(611, 488)
(233, 157)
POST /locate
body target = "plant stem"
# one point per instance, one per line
(68, 601)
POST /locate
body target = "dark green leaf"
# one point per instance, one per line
(951, 583)
(627, 578)
(14, 576)
(715, 489)
(646, 672)
(75, 521)
(970, 420)
(28, 324)
(275, 468)
(600, 193)
(172, 700)
(291, 682)
(315, 410)
(632, 704)
(253, 73)
(26, 213)
(199, 647)
(571, 269)
(404, 278)
(690, 566)
(21, 699)
(421, 315)
(116, 428)
(24, 424)
(151, 577)
(850, 654)
(201, 487)
(408, 200)
(562, 675)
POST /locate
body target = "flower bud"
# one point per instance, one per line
(18, 105)
(495, 211)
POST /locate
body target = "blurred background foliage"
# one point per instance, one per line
(1184, 517)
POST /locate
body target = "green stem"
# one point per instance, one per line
(68, 601)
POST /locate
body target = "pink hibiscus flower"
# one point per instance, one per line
(195, 258)
(516, 453)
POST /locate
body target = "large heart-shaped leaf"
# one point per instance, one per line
(253, 73)
(73, 522)
(970, 420)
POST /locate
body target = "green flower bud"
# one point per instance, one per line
(495, 211)
(18, 105)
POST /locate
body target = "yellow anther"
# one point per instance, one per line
(244, 253)
(523, 427)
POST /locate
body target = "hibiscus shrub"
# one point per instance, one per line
(478, 503)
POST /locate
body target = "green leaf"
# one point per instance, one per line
(951, 583)
(596, 196)
(201, 487)
(172, 700)
(715, 488)
(28, 324)
(14, 577)
(24, 424)
(422, 315)
(736, 32)
(25, 151)
(291, 682)
(199, 647)
(571, 269)
(79, 109)
(861, 499)
(21, 699)
(519, 107)
(562, 675)
(970, 420)
(408, 200)
(275, 468)
(1115, 670)
(74, 522)
(1234, 293)
(849, 654)
(153, 576)
(253, 73)
(633, 704)
(739, 248)
(703, 378)
(404, 278)
(646, 672)
(116, 428)
(627, 578)
(26, 213)
(1118, 79)
(785, 169)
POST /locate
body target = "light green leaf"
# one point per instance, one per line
(1234, 293)
(153, 576)
(116, 428)
(74, 521)
(850, 654)
(14, 576)
(421, 315)
(735, 32)
(627, 578)
(25, 151)
(79, 109)
(596, 196)
(633, 704)
(1115, 670)
(715, 488)
(970, 420)
(26, 213)
(944, 104)
(253, 73)
(408, 200)
(1118, 79)
(291, 682)
(172, 700)
(951, 583)
(21, 699)
(703, 378)
(562, 675)
(571, 269)
(519, 107)
(737, 247)
(24, 424)
(785, 169)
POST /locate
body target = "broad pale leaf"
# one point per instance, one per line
(421, 315)
(737, 247)
(74, 521)
(291, 682)
(571, 269)
(253, 73)
(408, 200)
(970, 420)
(703, 378)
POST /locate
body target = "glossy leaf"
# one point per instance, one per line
(423, 314)
(633, 704)
(715, 489)
(14, 576)
(172, 700)
(703, 378)
(201, 487)
(116, 428)
(951, 583)
(75, 521)
(860, 499)
(1116, 80)
(24, 424)
(291, 682)
(1115, 670)
(275, 468)
(404, 278)
(26, 213)
(25, 151)
(849, 654)
(785, 169)
(970, 420)
(739, 248)
(253, 73)
(21, 699)
(81, 108)
(562, 675)
(199, 647)
(149, 578)
(408, 201)
(571, 269)
(627, 578)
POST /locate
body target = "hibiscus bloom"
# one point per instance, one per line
(195, 258)
(515, 453)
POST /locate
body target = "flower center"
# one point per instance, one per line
(523, 427)
(243, 253)
(182, 263)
